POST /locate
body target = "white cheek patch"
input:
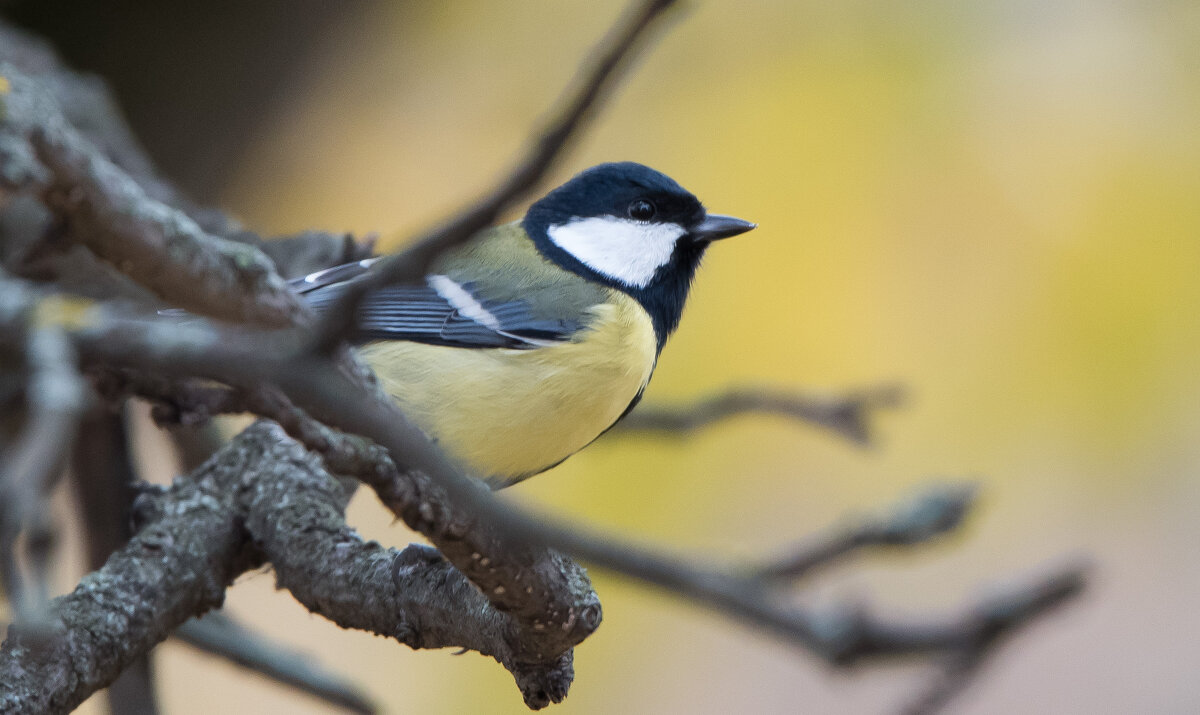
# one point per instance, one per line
(629, 251)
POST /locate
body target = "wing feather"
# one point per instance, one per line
(442, 312)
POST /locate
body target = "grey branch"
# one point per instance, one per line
(549, 595)
(102, 207)
(220, 635)
(63, 142)
(848, 415)
(935, 511)
(990, 623)
(54, 398)
(174, 568)
(263, 498)
(554, 603)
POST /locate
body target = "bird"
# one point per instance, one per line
(532, 338)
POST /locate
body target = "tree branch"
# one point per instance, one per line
(262, 497)
(220, 635)
(847, 415)
(55, 398)
(986, 627)
(158, 246)
(132, 220)
(935, 511)
(174, 568)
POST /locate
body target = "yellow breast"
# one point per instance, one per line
(505, 414)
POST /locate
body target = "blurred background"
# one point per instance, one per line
(995, 203)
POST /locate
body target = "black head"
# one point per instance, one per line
(633, 228)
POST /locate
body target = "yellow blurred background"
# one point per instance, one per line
(995, 203)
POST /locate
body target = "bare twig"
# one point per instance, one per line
(196, 444)
(933, 512)
(412, 264)
(991, 622)
(132, 693)
(55, 397)
(847, 415)
(103, 475)
(220, 635)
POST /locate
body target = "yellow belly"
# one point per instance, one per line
(505, 414)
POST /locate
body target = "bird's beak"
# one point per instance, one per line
(715, 227)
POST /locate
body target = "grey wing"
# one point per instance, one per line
(442, 312)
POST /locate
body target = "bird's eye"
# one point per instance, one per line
(641, 210)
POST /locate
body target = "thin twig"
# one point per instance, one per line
(847, 415)
(195, 445)
(935, 511)
(992, 621)
(55, 397)
(219, 635)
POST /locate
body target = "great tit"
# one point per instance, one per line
(532, 338)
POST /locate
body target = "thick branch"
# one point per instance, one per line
(177, 567)
(415, 596)
(101, 206)
(158, 246)
(262, 496)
